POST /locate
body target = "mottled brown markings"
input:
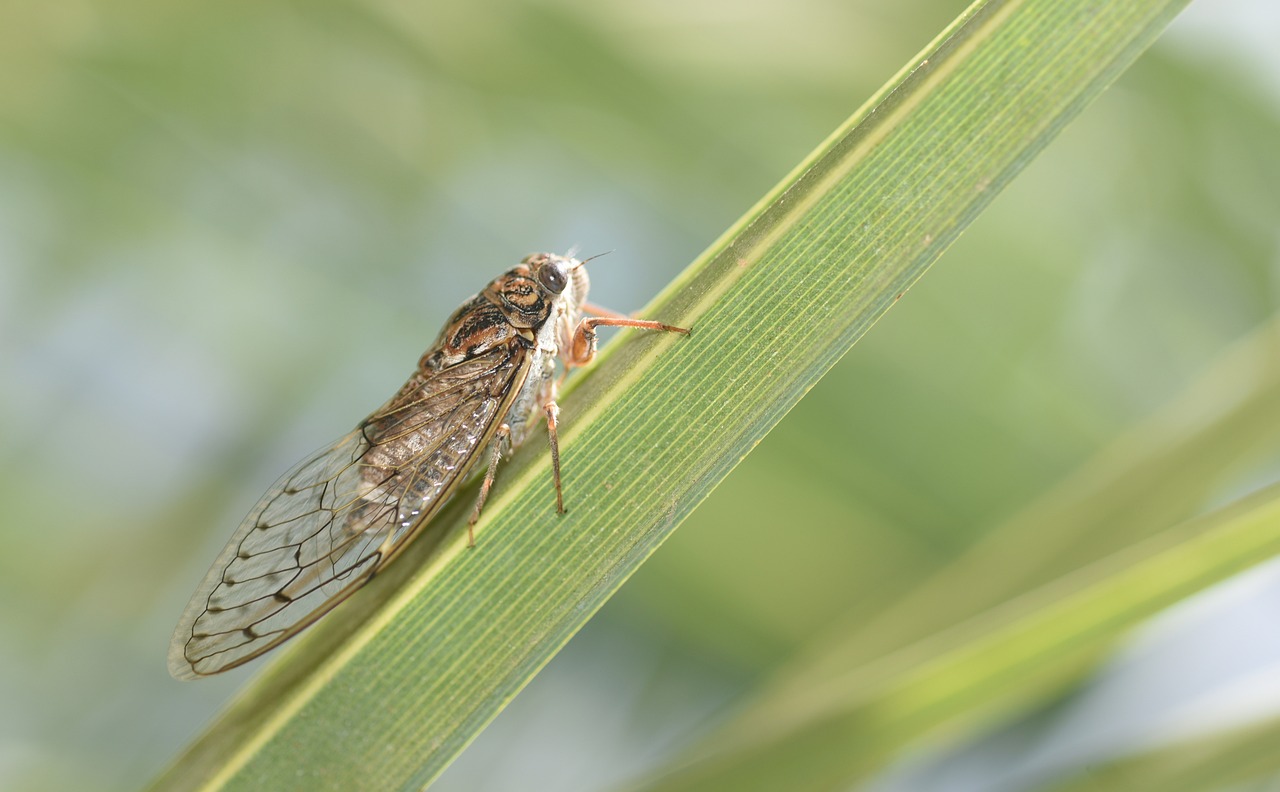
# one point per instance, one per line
(478, 327)
(524, 301)
(342, 514)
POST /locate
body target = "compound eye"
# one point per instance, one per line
(553, 277)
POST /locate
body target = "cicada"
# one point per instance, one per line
(341, 515)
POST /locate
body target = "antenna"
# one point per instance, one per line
(589, 258)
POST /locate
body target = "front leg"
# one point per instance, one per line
(583, 349)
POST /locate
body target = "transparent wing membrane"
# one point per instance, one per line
(330, 523)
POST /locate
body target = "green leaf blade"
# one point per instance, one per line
(384, 693)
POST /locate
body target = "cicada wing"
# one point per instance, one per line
(330, 523)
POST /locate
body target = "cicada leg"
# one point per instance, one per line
(503, 436)
(583, 349)
(500, 438)
(553, 423)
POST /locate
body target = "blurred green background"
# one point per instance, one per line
(228, 230)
